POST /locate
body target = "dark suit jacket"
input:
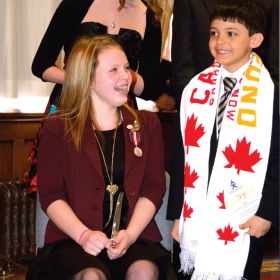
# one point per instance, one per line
(190, 37)
(77, 178)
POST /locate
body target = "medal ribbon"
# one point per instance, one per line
(134, 137)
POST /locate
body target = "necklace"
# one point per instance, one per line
(111, 188)
(113, 25)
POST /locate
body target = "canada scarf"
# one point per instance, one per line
(211, 242)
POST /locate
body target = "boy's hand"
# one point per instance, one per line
(175, 230)
(257, 226)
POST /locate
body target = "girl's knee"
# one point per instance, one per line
(90, 274)
(142, 270)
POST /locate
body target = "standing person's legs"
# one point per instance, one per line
(255, 257)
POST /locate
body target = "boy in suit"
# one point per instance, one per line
(226, 123)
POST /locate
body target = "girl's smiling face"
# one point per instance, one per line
(112, 78)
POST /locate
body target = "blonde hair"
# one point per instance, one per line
(79, 74)
(152, 4)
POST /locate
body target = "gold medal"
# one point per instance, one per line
(138, 152)
(129, 126)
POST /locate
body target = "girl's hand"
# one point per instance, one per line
(121, 244)
(93, 242)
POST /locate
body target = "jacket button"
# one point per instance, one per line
(132, 193)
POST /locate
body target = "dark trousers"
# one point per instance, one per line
(255, 257)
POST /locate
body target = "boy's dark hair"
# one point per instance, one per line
(250, 13)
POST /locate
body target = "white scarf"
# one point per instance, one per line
(210, 238)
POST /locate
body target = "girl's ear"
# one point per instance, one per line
(256, 40)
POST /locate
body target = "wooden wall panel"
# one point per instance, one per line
(6, 165)
(17, 132)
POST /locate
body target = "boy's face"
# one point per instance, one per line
(230, 44)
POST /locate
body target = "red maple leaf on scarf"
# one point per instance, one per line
(241, 157)
(221, 198)
(190, 177)
(187, 211)
(227, 234)
(193, 133)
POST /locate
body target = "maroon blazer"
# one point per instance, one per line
(77, 177)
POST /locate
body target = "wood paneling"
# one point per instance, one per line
(17, 132)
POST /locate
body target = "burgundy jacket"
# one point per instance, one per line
(77, 178)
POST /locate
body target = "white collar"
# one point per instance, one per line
(238, 73)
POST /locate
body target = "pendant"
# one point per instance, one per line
(112, 188)
(138, 152)
(136, 125)
(113, 25)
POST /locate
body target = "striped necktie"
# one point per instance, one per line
(229, 84)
